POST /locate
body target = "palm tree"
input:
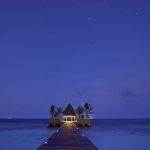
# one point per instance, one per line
(79, 111)
(88, 109)
(55, 114)
(52, 110)
(60, 110)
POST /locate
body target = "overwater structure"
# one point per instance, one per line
(69, 115)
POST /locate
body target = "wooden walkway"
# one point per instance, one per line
(68, 138)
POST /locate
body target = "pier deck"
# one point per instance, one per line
(68, 138)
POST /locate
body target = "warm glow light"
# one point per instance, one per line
(69, 119)
(69, 116)
(68, 124)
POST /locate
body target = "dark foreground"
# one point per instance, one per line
(68, 138)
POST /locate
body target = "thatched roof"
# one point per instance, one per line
(69, 111)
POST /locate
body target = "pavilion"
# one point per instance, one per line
(69, 114)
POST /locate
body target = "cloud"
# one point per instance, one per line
(128, 93)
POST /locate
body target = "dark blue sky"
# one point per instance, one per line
(72, 51)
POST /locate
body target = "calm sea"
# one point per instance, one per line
(106, 134)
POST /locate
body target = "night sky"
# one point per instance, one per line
(72, 51)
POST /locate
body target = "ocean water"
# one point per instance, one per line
(20, 134)
(106, 134)
(120, 134)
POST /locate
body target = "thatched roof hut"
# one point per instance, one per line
(69, 114)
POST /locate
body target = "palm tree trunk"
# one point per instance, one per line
(87, 115)
(79, 116)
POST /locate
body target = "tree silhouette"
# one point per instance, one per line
(79, 111)
(88, 109)
(52, 110)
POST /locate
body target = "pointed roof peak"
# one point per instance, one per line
(69, 111)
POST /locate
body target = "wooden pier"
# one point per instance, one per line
(68, 137)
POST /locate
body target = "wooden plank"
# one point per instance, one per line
(68, 137)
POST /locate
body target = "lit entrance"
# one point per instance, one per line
(69, 114)
(69, 118)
